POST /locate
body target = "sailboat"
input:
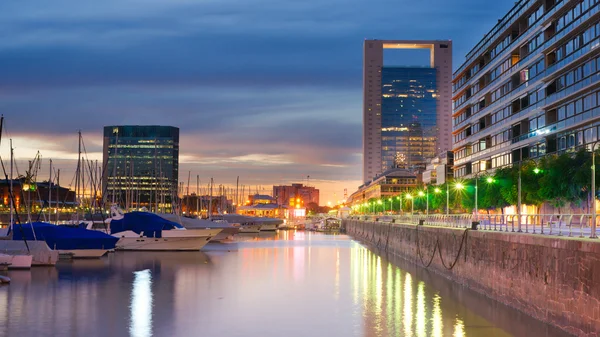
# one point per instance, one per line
(74, 241)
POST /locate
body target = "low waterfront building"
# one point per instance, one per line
(36, 195)
(256, 199)
(390, 183)
(529, 88)
(439, 169)
(264, 210)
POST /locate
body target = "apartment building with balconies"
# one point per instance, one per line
(530, 87)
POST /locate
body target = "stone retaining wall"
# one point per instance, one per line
(556, 280)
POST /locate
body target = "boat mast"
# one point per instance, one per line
(12, 207)
(114, 175)
(187, 203)
(58, 193)
(210, 202)
(237, 193)
(50, 193)
(198, 195)
(77, 177)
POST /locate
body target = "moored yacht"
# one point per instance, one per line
(76, 242)
(227, 230)
(148, 231)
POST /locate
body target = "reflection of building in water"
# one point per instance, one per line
(396, 304)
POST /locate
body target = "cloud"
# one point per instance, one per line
(269, 90)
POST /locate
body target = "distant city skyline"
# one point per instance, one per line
(270, 95)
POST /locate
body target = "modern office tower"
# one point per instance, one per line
(529, 88)
(406, 110)
(141, 165)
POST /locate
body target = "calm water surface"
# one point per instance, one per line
(286, 284)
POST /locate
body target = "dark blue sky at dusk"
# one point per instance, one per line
(267, 90)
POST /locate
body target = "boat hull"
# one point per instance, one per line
(84, 253)
(225, 234)
(250, 229)
(41, 254)
(188, 243)
(20, 262)
(268, 227)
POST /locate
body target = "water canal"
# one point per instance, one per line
(285, 284)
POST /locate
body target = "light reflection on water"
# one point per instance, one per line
(287, 284)
(141, 304)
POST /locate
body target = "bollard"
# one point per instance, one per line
(474, 225)
(421, 222)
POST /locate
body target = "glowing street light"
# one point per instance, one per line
(412, 204)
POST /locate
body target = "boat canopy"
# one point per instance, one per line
(147, 223)
(63, 237)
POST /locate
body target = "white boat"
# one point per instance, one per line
(268, 227)
(84, 253)
(148, 231)
(250, 228)
(40, 253)
(227, 230)
(16, 261)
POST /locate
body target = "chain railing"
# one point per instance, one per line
(570, 225)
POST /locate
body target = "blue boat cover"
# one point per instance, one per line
(63, 237)
(144, 223)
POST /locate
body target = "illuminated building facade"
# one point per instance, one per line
(389, 184)
(529, 87)
(296, 195)
(408, 116)
(141, 165)
(406, 110)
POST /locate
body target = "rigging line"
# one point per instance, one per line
(12, 195)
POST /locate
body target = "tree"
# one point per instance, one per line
(556, 184)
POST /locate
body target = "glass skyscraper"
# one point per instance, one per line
(141, 166)
(406, 110)
(408, 116)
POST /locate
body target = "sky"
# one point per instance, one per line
(270, 91)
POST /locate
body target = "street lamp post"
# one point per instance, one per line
(427, 198)
(391, 205)
(593, 231)
(447, 198)
(519, 198)
(426, 195)
(400, 207)
(476, 187)
(412, 204)
(437, 190)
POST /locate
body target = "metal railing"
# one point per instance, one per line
(570, 225)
